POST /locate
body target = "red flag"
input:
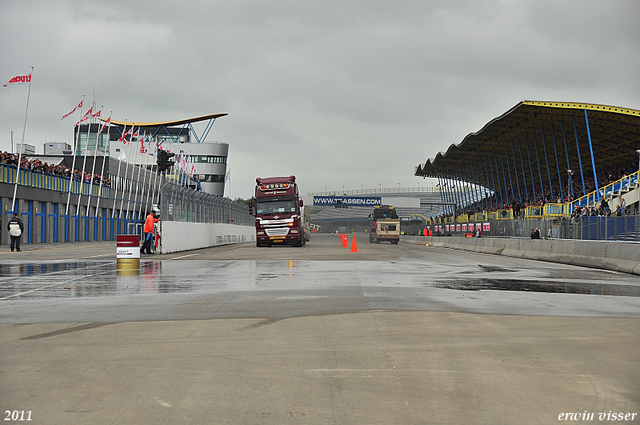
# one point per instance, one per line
(19, 79)
(123, 139)
(108, 121)
(86, 116)
(74, 109)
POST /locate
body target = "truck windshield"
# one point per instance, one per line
(384, 213)
(275, 207)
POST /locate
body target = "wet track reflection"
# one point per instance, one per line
(100, 279)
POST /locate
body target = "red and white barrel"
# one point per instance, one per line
(128, 254)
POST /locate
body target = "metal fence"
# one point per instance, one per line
(180, 203)
(620, 228)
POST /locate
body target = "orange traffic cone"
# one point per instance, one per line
(345, 244)
(354, 247)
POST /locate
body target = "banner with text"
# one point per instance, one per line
(349, 201)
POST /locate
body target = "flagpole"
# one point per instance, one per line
(148, 186)
(144, 177)
(24, 129)
(93, 166)
(151, 185)
(84, 162)
(135, 160)
(104, 159)
(155, 181)
(126, 170)
(115, 195)
(73, 163)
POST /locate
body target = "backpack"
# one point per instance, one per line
(14, 229)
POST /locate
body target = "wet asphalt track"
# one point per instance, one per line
(280, 282)
(405, 334)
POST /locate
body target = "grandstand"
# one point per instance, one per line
(548, 161)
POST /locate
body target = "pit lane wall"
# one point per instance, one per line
(177, 236)
(618, 256)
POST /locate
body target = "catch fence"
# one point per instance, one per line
(616, 228)
(180, 203)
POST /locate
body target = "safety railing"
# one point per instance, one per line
(51, 182)
(505, 214)
(556, 210)
(616, 188)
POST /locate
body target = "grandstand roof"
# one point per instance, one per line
(545, 129)
(168, 123)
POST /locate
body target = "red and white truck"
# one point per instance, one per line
(281, 217)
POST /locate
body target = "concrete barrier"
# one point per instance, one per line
(608, 255)
(179, 236)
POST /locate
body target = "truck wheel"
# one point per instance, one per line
(370, 239)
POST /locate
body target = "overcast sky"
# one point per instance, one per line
(339, 93)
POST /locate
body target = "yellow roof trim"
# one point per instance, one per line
(167, 123)
(589, 106)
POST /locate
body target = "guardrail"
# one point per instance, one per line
(51, 182)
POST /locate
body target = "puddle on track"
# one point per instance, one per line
(100, 279)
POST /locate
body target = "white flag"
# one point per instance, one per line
(19, 79)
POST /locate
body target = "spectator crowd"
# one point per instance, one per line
(540, 198)
(37, 166)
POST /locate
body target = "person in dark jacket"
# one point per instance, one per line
(15, 228)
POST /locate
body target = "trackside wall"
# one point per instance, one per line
(618, 256)
(183, 236)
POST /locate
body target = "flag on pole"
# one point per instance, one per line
(18, 79)
(74, 109)
(227, 176)
(108, 121)
(86, 116)
(123, 138)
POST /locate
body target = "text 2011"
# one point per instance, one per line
(17, 415)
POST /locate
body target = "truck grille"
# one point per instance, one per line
(277, 231)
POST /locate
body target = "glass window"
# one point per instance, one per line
(274, 207)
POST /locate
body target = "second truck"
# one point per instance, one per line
(385, 225)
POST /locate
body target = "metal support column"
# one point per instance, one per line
(555, 150)
(515, 168)
(535, 145)
(546, 160)
(524, 173)
(483, 191)
(575, 132)
(506, 151)
(593, 162)
(499, 187)
(566, 151)
(533, 180)
(493, 183)
(475, 185)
